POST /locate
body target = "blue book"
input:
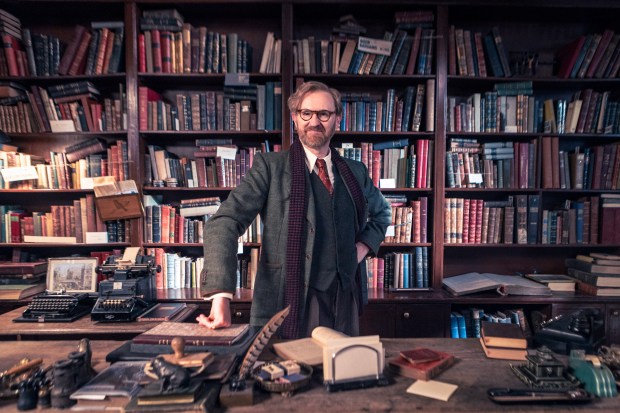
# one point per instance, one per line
(419, 268)
(425, 278)
(269, 105)
(532, 218)
(579, 222)
(454, 326)
(460, 320)
(396, 143)
(493, 56)
(405, 271)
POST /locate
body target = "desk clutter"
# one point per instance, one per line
(126, 294)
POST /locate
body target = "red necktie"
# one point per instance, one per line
(322, 167)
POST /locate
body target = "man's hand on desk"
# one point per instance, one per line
(219, 316)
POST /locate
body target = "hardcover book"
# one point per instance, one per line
(592, 268)
(421, 370)
(507, 335)
(193, 333)
(503, 353)
(163, 312)
(555, 282)
(474, 282)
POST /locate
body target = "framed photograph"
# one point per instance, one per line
(74, 275)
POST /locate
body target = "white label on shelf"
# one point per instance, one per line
(226, 153)
(87, 182)
(240, 248)
(19, 173)
(237, 79)
(475, 178)
(390, 231)
(347, 145)
(376, 46)
(96, 238)
(58, 126)
(387, 183)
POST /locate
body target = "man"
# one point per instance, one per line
(316, 230)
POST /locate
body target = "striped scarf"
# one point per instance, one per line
(298, 207)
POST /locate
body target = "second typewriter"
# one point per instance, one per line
(128, 290)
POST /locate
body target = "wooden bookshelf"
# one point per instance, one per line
(528, 30)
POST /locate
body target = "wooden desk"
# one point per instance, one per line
(77, 329)
(473, 373)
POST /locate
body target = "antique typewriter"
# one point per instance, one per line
(56, 306)
(128, 291)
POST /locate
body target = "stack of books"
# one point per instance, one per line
(555, 282)
(503, 341)
(596, 273)
(19, 280)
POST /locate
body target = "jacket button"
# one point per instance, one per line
(308, 256)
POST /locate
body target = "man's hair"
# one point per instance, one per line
(294, 101)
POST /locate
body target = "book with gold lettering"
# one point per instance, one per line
(427, 363)
(193, 333)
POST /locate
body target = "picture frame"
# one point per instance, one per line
(73, 274)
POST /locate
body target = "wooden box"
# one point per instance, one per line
(122, 206)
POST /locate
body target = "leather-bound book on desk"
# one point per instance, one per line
(193, 333)
(503, 341)
(421, 363)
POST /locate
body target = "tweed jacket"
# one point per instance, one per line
(265, 190)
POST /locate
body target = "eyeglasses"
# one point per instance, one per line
(322, 115)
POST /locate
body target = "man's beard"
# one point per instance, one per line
(314, 140)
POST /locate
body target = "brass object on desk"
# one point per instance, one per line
(196, 363)
(11, 377)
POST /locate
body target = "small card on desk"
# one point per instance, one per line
(433, 389)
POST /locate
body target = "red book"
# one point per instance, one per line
(69, 55)
(141, 54)
(600, 51)
(145, 95)
(421, 371)
(376, 167)
(608, 224)
(79, 62)
(568, 56)
(101, 50)
(166, 58)
(156, 47)
(415, 47)
(108, 52)
(11, 46)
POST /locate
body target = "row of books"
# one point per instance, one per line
(63, 223)
(475, 54)
(91, 51)
(467, 322)
(209, 169)
(58, 172)
(396, 270)
(595, 55)
(575, 222)
(247, 268)
(177, 271)
(192, 50)
(184, 223)
(589, 220)
(506, 164)
(596, 273)
(408, 54)
(252, 107)
(409, 111)
(588, 111)
(409, 221)
(595, 167)
(395, 164)
(63, 108)
(476, 221)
